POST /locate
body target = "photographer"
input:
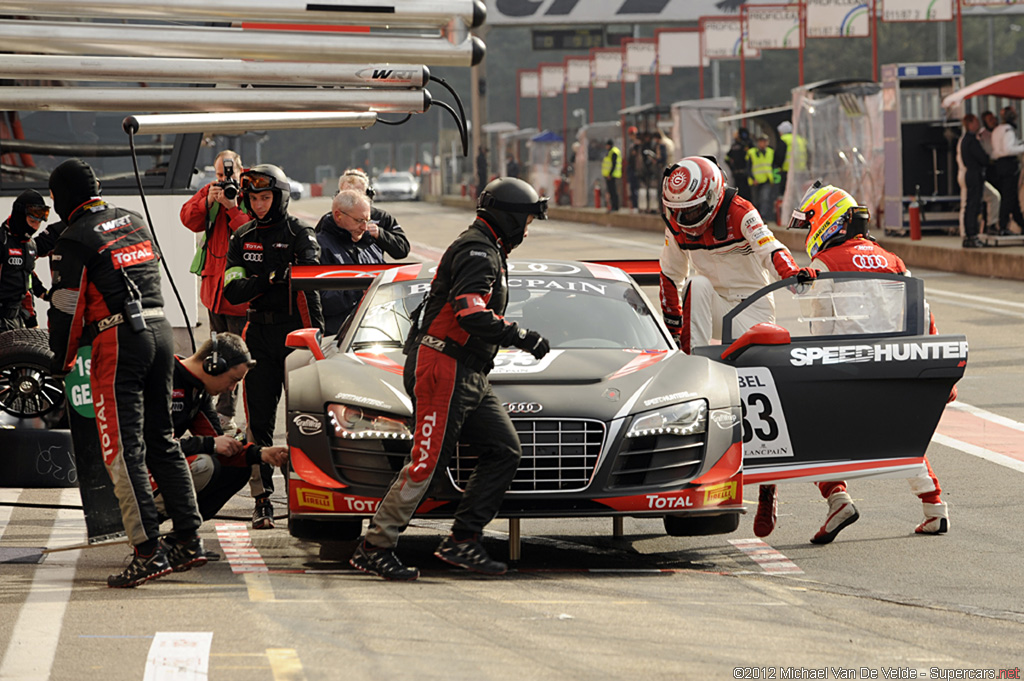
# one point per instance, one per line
(215, 212)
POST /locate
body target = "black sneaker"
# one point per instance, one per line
(469, 554)
(186, 555)
(263, 515)
(141, 569)
(973, 242)
(383, 563)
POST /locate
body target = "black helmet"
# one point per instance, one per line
(29, 203)
(72, 183)
(506, 204)
(267, 177)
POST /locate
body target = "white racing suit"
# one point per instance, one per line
(704, 277)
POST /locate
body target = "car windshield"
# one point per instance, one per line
(394, 179)
(570, 312)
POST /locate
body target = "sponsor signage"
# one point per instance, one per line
(879, 352)
(529, 84)
(641, 57)
(722, 39)
(765, 433)
(773, 28)
(677, 49)
(577, 73)
(917, 10)
(600, 12)
(838, 18)
(552, 79)
(608, 65)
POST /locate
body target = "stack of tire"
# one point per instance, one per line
(35, 444)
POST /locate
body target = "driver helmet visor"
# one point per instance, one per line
(690, 216)
(801, 219)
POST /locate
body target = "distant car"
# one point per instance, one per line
(397, 187)
(296, 190)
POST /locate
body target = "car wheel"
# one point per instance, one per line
(27, 388)
(697, 526)
(312, 529)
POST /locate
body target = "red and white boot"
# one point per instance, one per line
(936, 519)
(841, 513)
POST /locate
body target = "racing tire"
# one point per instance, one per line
(27, 388)
(312, 529)
(699, 526)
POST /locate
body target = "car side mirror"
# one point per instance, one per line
(308, 339)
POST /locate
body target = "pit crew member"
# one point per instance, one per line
(17, 259)
(450, 352)
(106, 291)
(260, 255)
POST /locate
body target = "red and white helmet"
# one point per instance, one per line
(692, 192)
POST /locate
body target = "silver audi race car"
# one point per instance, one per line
(615, 421)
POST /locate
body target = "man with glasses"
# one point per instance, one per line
(17, 258)
(349, 236)
(260, 256)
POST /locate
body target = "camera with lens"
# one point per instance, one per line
(229, 185)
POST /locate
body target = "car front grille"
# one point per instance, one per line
(658, 460)
(559, 455)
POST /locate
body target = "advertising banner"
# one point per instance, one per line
(677, 49)
(577, 73)
(641, 57)
(552, 79)
(569, 12)
(838, 18)
(722, 38)
(917, 10)
(608, 66)
(529, 84)
(773, 27)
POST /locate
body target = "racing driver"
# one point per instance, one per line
(450, 352)
(717, 252)
(838, 241)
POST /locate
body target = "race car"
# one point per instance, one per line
(615, 421)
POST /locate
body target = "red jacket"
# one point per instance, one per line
(194, 215)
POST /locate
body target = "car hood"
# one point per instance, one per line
(590, 383)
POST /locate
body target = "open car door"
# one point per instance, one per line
(847, 383)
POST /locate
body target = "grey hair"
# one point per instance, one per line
(348, 199)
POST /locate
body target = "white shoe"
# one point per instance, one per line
(936, 519)
(841, 512)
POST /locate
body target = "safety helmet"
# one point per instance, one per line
(29, 203)
(692, 191)
(506, 204)
(829, 213)
(267, 177)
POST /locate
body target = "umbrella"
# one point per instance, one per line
(1009, 85)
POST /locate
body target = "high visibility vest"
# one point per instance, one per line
(797, 155)
(761, 164)
(614, 156)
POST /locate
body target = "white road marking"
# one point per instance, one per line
(980, 452)
(7, 496)
(33, 643)
(987, 415)
(246, 560)
(988, 301)
(179, 656)
(770, 559)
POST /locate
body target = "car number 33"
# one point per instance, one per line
(765, 434)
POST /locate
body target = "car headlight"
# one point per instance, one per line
(356, 423)
(688, 418)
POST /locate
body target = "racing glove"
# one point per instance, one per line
(806, 274)
(532, 342)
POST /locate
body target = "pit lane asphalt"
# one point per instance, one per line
(581, 603)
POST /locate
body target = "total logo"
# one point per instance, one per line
(656, 501)
(870, 262)
(523, 407)
(132, 255)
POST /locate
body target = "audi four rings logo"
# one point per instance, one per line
(870, 262)
(523, 407)
(253, 257)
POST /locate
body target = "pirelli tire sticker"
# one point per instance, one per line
(765, 434)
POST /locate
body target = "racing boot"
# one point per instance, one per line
(263, 514)
(141, 569)
(381, 562)
(185, 555)
(469, 554)
(936, 519)
(841, 512)
(767, 511)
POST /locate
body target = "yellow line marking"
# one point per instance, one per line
(260, 589)
(285, 664)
